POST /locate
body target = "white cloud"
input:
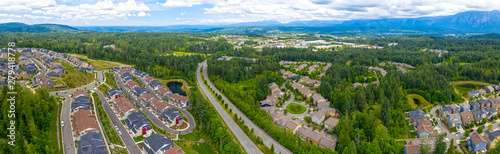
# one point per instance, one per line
(292, 10)
(102, 10)
(141, 14)
(24, 5)
(183, 13)
(29, 16)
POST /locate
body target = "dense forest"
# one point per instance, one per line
(35, 122)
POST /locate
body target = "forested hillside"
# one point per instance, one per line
(35, 121)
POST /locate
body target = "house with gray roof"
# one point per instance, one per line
(464, 107)
(484, 103)
(455, 108)
(91, 143)
(172, 117)
(474, 94)
(489, 89)
(138, 124)
(454, 120)
(492, 138)
(302, 132)
(474, 106)
(445, 110)
(113, 93)
(157, 144)
(479, 115)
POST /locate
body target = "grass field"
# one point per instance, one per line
(202, 148)
(184, 53)
(417, 100)
(99, 64)
(110, 80)
(109, 129)
(463, 87)
(74, 78)
(295, 108)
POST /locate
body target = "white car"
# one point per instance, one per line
(120, 132)
(63, 92)
(116, 127)
(62, 123)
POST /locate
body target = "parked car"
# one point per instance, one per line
(471, 130)
(120, 132)
(62, 123)
(116, 127)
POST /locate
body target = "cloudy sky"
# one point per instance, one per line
(175, 12)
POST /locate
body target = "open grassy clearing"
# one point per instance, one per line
(417, 101)
(74, 78)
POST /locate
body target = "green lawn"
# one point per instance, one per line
(189, 137)
(110, 80)
(74, 78)
(295, 108)
(202, 148)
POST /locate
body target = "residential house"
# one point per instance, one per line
(305, 91)
(80, 100)
(282, 121)
(416, 115)
(123, 107)
(293, 125)
(490, 112)
(330, 123)
(412, 148)
(474, 106)
(464, 107)
(474, 94)
(179, 100)
(310, 82)
(425, 129)
(454, 120)
(138, 125)
(139, 92)
(492, 101)
(496, 87)
(274, 87)
(317, 98)
(277, 115)
(46, 83)
(484, 103)
(455, 108)
(476, 143)
(318, 117)
(482, 92)
(159, 106)
(315, 136)
(489, 89)
(164, 93)
(131, 84)
(329, 142)
(174, 150)
(114, 93)
(445, 110)
(172, 117)
(269, 109)
(479, 115)
(467, 118)
(155, 84)
(83, 122)
(303, 132)
(157, 144)
(91, 143)
(492, 138)
(147, 98)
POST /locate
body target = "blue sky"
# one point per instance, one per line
(201, 12)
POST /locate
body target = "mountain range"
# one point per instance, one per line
(460, 23)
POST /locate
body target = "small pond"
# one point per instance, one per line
(176, 87)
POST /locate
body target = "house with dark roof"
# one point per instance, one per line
(477, 143)
(114, 93)
(172, 117)
(416, 115)
(155, 84)
(157, 144)
(91, 143)
(489, 89)
(479, 115)
(492, 138)
(474, 106)
(445, 110)
(138, 91)
(474, 94)
(484, 103)
(80, 100)
(138, 124)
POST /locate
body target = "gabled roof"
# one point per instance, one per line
(84, 120)
(492, 135)
(91, 143)
(476, 138)
(158, 142)
(292, 124)
(164, 91)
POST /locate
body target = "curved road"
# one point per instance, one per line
(244, 140)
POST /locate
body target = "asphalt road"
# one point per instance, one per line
(150, 115)
(442, 129)
(192, 124)
(245, 141)
(126, 138)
